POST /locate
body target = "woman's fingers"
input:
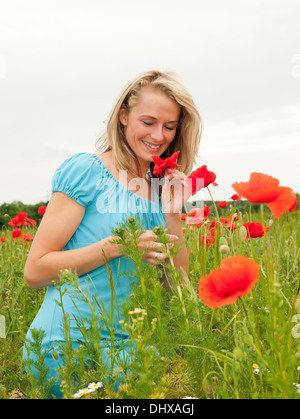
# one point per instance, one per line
(153, 251)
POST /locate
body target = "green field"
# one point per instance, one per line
(183, 348)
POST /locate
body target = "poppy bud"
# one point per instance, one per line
(235, 217)
(243, 232)
(55, 355)
(224, 249)
(238, 353)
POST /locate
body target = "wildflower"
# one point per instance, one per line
(162, 164)
(265, 189)
(224, 221)
(255, 368)
(16, 233)
(197, 215)
(207, 240)
(235, 277)
(234, 217)
(21, 219)
(213, 225)
(235, 197)
(42, 210)
(89, 389)
(27, 237)
(255, 230)
(2, 239)
(222, 204)
(141, 311)
(200, 173)
(95, 386)
(204, 212)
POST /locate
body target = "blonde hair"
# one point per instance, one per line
(187, 138)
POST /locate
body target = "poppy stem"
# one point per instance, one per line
(265, 237)
(245, 310)
(216, 209)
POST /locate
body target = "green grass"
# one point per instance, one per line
(249, 349)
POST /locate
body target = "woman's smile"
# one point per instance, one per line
(151, 146)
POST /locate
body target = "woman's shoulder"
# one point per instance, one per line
(81, 158)
(77, 176)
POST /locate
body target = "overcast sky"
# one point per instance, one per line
(63, 62)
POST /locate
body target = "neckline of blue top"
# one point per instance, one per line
(124, 187)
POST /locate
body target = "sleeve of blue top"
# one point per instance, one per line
(77, 178)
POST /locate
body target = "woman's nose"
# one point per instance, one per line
(157, 133)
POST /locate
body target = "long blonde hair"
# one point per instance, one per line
(187, 138)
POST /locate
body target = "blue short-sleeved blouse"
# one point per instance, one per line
(107, 203)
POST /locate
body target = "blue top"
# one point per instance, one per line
(107, 203)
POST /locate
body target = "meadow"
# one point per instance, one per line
(247, 347)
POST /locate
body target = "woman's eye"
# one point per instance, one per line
(147, 123)
(170, 128)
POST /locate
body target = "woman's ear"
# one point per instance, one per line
(123, 114)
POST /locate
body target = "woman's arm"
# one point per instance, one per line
(46, 258)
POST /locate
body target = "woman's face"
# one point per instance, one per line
(151, 125)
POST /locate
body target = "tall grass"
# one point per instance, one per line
(178, 346)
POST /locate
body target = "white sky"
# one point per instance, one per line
(63, 62)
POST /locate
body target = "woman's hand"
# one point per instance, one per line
(153, 251)
(175, 191)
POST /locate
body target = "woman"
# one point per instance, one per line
(93, 193)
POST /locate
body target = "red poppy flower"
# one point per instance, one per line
(2, 239)
(21, 219)
(42, 210)
(213, 225)
(294, 205)
(208, 240)
(235, 277)
(18, 220)
(234, 217)
(16, 233)
(222, 204)
(224, 221)
(162, 164)
(27, 237)
(203, 174)
(204, 212)
(196, 216)
(235, 197)
(265, 188)
(255, 230)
